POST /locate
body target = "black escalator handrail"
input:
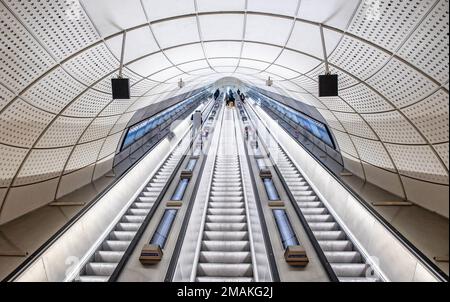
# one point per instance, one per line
(322, 257)
(441, 275)
(265, 232)
(177, 250)
(36, 254)
(315, 243)
(137, 237)
(24, 265)
(176, 253)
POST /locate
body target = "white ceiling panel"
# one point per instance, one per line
(223, 62)
(225, 69)
(185, 54)
(297, 61)
(176, 32)
(285, 7)
(222, 27)
(223, 49)
(150, 65)
(120, 14)
(157, 9)
(204, 71)
(188, 67)
(283, 72)
(246, 71)
(253, 64)
(220, 5)
(139, 42)
(336, 13)
(166, 74)
(260, 52)
(268, 29)
(306, 38)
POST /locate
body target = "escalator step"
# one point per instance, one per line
(225, 270)
(225, 257)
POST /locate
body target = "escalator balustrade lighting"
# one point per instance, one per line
(186, 176)
(272, 192)
(294, 255)
(261, 164)
(191, 165)
(287, 234)
(181, 188)
(152, 253)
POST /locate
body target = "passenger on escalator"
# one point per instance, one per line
(216, 94)
(197, 122)
(243, 98)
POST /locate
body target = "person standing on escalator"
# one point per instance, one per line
(197, 122)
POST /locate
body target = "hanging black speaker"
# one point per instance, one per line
(328, 85)
(120, 89)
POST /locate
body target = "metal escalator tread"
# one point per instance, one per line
(346, 261)
(105, 259)
(225, 252)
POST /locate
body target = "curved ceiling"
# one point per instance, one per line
(59, 126)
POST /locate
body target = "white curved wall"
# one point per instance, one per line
(59, 126)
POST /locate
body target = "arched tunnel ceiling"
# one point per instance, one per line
(59, 126)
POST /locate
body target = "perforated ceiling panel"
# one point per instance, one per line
(11, 160)
(6, 96)
(110, 145)
(431, 117)
(54, 92)
(418, 162)
(62, 26)
(92, 65)
(401, 84)
(373, 153)
(21, 124)
(442, 150)
(365, 100)
(99, 128)
(83, 155)
(57, 134)
(58, 58)
(22, 58)
(345, 143)
(42, 165)
(357, 58)
(388, 22)
(336, 104)
(393, 127)
(355, 125)
(89, 104)
(427, 48)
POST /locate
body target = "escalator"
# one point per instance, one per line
(105, 259)
(346, 261)
(343, 257)
(226, 249)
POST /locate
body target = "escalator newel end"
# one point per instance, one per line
(295, 255)
(151, 254)
(186, 174)
(265, 174)
(174, 204)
